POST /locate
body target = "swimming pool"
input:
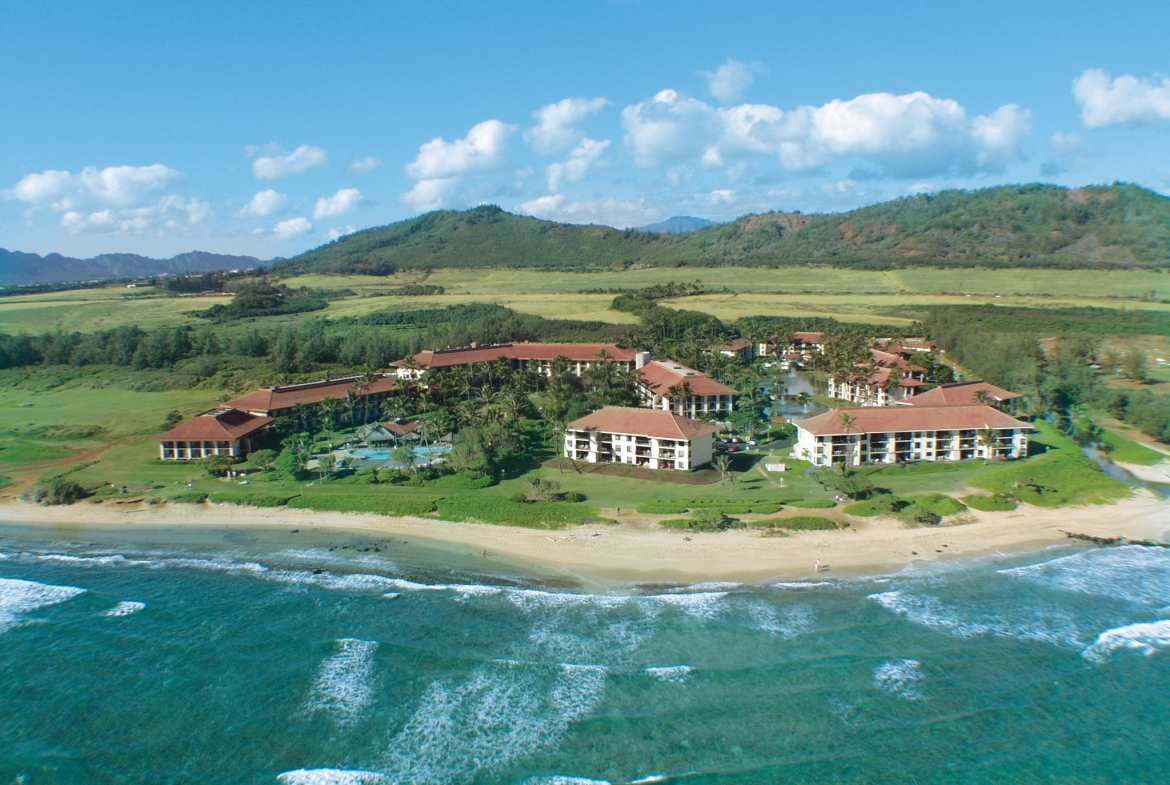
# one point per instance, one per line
(421, 454)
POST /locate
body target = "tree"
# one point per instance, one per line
(350, 404)
(325, 465)
(848, 481)
(327, 407)
(262, 459)
(848, 422)
(403, 455)
(303, 414)
(722, 464)
(1133, 366)
(986, 437)
(541, 489)
(981, 396)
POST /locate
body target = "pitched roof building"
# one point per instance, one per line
(223, 431)
(894, 379)
(643, 437)
(959, 393)
(666, 385)
(277, 401)
(521, 356)
(895, 434)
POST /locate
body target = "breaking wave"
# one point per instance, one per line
(124, 609)
(899, 678)
(18, 597)
(344, 685)
(1147, 638)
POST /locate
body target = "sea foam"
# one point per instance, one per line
(124, 609)
(767, 618)
(344, 685)
(17, 597)
(1132, 573)
(332, 777)
(899, 678)
(1146, 638)
(676, 674)
(1035, 623)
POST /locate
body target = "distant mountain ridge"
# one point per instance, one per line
(1031, 225)
(17, 267)
(677, 224)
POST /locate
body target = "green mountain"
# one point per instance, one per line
(19, 268)
(1008, 226)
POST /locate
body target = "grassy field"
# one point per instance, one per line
(849, 295)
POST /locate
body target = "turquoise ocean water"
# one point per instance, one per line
(158, 657)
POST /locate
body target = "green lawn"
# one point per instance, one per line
(1123, 450)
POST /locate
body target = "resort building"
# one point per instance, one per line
(798, 350)
(642, 437)
(898, 434)
(742, 348)
(224, 431)
(282, 401)
(670, 387)
(961, 393)
(521, 357)
(893, 380)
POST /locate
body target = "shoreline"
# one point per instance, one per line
(638, 551)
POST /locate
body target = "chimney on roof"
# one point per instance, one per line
(474, 345)
(641, 359)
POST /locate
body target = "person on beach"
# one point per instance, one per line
(817, 566)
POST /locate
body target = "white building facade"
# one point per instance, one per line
(896, 435)
(640, 437)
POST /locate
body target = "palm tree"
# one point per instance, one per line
(681, 395)
(350, 404)
(986, 437)
(327, 406)
(848, 422)
(722, 464)
(981, 396)
(302, 412)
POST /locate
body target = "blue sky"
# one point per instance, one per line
(267, 129)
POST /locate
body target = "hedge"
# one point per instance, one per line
(253, 499)
(997, 503)
(814, 504)
(500, 509)
(664, 507)
(798, 523)
(191, 497)
(729, 506)
(878, 505)
(384, 504)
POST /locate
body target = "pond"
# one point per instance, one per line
(793, 384)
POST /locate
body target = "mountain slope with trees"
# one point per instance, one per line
(1007, 226)
(18, 268)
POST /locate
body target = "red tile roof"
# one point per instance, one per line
(401, 429)
(734, 345)
(660, 375)
(884, 419)
(642, 422)
(577, 352)
(960, 393)
(808, 337)
(276, 399)
(215, 425)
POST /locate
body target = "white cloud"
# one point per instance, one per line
(610, 212)
(335, 233)
(262, 205)
(1065, 144)
(1125, 100)
(727, 82)
(556, 129)
(117, 199)
(910, 135)
(482, 149)
(291, 229)
(114, 186)
(433, 194)
(344, 201)
(582, 159)
(363, 165)
(279, 164)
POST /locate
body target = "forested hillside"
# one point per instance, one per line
(18, 268)
(1007, 226)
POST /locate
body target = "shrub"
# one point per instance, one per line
(189, 497)
(814, 504)
(766, 508)
(467, 479)
(253, 499)
(500, 509)
(878, 505)
(519, 497)
(997, 503)
(56, 492)
(664, 507)
(218, 465)
(798, 523)
(572, 497)
(383, 504)
(917, 515)
(707, 520)
(938, 503)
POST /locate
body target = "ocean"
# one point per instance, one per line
(216, 656)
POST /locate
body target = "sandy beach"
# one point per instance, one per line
(638, 550)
